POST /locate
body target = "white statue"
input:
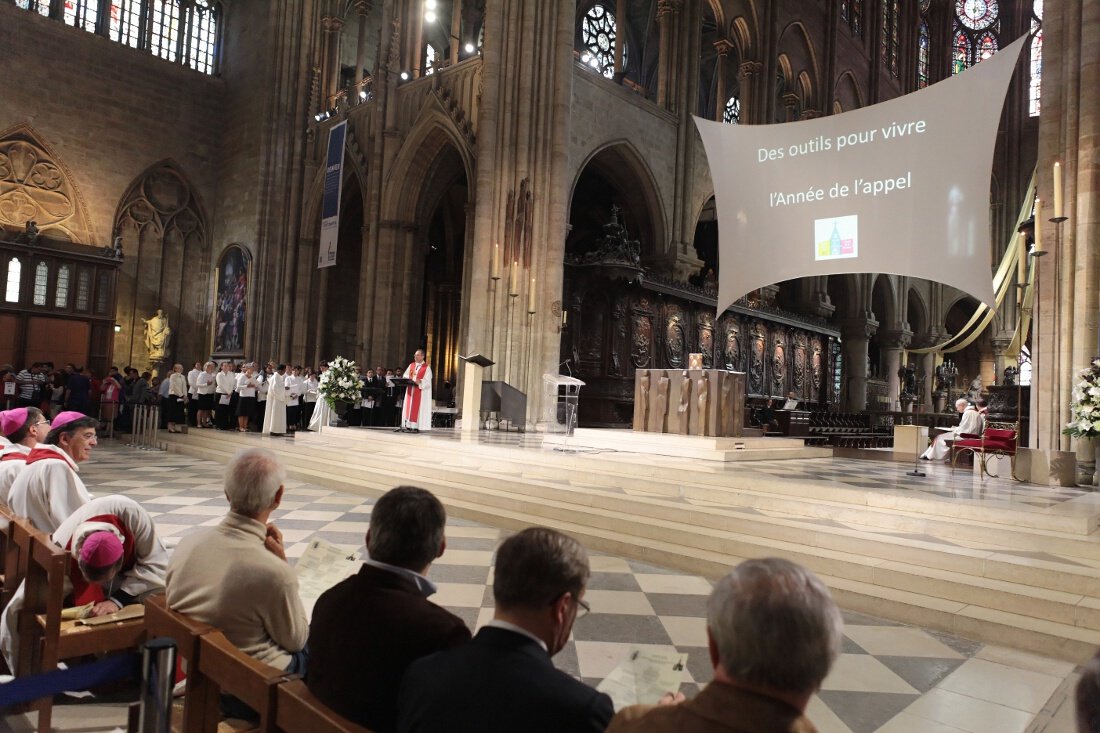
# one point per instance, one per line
(157, 332)
(975, 391)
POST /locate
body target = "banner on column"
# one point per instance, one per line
(330, 203)
(900, 187)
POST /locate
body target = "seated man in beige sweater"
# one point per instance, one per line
(235, 576)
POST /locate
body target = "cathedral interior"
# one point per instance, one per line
(172, 156)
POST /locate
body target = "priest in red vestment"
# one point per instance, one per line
(416, 412)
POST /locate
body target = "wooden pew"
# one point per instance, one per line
(296, 709)
(16, 552)
(235, 673)
(201, 704)
(44, 639)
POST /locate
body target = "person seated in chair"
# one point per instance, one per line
(766, 417)
(970, 426)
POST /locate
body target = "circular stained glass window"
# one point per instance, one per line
(977, 14)
(598, 31)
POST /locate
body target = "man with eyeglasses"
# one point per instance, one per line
(23, 427)
(504, 680)
(48, 490)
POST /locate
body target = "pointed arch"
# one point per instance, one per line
(165, 238)
(917, 312)
(35, 185)
(847, 92)
(622, 165)
(795, 43)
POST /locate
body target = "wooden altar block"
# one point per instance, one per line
(910, 439)
(700, 402)
(660, 397)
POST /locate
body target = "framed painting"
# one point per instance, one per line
(231, 301)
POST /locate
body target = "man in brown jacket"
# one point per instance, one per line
(773, 632)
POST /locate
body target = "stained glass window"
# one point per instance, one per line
(889, 42)
(732, 114)
(41, 6)
(598, 32)
(851, 12)
(977, 28)
(429, 60)
(184, 31)
(41, 282)
(165, 29)
(11, 289)
(61, 292)
(83, 290)
(81, 13)
(923, 42)
(1036, 65)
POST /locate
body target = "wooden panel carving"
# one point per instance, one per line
(641, 340)
(757, 351)
(675, 339)
(705, 339)
(799, 365)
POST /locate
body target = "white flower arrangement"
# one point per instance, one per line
(341, 383)
(1085, 410)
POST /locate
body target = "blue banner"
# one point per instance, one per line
(330, 203)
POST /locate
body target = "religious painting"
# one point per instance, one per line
(732, 352)
(706, 341)
(231, 301)
(674, 341)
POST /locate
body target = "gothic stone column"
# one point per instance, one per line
(856, 332)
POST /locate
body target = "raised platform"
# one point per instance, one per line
(685, 446)
(991, 560)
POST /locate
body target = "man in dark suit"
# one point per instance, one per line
(367, 629)
(504, 680)
(773, 631)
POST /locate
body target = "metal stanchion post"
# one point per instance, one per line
(158, 676)
(132, 413)
(156, 426)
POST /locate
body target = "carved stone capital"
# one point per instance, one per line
(858, 328)
(723, 47)
(332, 24)
(747, 69)
(1000, 345)
(668, 7)
(790, 100)
(363, 7)
(810, 114)
(896, 338)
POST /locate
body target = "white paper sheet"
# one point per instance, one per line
(320, 567)
(645, 676)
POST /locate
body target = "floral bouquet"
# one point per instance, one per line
(1086, 404)
(341, 383)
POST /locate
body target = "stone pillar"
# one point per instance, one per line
(620, 38)
(894, 342)
(456, 30)
(856, 332)
(928, 370)
(667, 11)
(363, 7)
(1000, 348)
(416, 41)
(790, 103)
(746, 77)
(722, 94)
(332, 27)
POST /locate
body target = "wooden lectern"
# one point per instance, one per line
(471, 390)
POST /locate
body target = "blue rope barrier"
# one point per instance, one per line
(83, 677)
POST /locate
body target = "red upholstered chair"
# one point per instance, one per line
(998, 439)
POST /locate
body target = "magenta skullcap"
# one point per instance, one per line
(101, 550)
(64, 418)
(12, 420)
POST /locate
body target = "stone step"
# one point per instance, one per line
(951, 575)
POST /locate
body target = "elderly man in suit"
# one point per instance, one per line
(369, 628)
(773, 632)
(504, 680)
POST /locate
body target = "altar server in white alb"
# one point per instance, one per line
(416, 411)
(117, 560)
(969, 426)
(275, 415)
(48, 489)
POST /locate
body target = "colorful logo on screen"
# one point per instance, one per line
(836, 238)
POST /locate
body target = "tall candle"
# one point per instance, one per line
(1021, 261)
(1038, 227)
(512, 281)
(1057, 190)
(564, 318)
(494, 268)
(531, 297)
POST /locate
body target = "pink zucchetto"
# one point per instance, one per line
(64, 418)
(12, 420)
(101, 550)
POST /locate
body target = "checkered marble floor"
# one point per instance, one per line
(890, 678)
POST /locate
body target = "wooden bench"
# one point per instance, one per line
(233, 672)
(296, 709)
(44, 639)
(201, 703)
(16, 553)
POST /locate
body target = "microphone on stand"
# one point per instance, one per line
(566, 365)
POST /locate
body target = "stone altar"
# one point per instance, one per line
(708, 402)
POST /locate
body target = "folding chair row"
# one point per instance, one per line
(217, 666)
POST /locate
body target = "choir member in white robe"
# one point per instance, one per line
(117, 560)
(970, 424)
(23, 427)
(416, 411)
(48, 489)
(275, 414)
(322, 413)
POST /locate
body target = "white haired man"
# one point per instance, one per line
(235, 576)
(970, 426)
(773, 632)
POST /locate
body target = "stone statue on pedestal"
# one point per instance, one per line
(157, 332)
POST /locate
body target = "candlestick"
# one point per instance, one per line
(564, 318)
(1037, 249)
(494, 267)
(531, 297)
(512, 280)
(1057, 190)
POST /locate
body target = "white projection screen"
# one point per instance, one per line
(900, 187)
